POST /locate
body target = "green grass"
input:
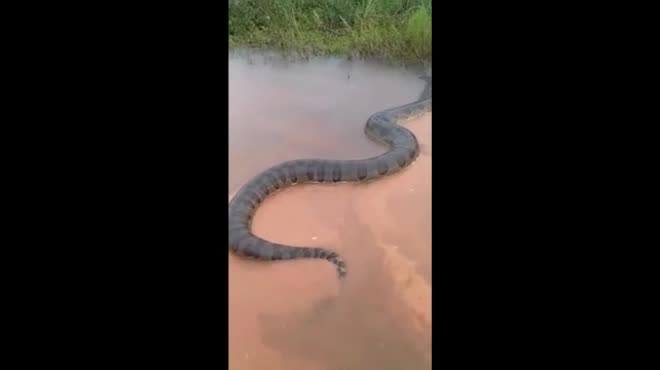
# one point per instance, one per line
(393, 30)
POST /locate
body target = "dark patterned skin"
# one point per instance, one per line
(381, 127)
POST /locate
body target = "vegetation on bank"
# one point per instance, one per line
(395, 30)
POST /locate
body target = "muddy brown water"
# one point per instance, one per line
(381, 318)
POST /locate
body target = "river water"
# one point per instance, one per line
(281, 110)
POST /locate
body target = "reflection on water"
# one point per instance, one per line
(381, 318)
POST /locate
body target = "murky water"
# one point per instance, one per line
(382, 319)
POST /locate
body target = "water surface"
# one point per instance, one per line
(382, 319)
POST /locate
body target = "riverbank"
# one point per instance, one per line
(392, 30)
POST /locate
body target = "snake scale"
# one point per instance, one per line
(381, 127)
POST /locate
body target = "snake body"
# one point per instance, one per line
(381, 127)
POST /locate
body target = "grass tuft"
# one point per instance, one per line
(395, 30)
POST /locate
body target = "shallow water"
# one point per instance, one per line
(382, 319)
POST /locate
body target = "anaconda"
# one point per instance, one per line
(382, 127)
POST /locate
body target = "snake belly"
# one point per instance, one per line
(381, 127)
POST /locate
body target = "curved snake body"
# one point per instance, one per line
(381, 127)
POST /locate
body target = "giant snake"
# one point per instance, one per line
(382, 127)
